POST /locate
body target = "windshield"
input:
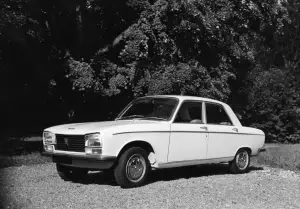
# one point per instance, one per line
(150, 108)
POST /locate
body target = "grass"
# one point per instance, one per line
(24, 159)
(284, 156)
(21, 151)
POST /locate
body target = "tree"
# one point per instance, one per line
(273, 86)
(79, 54)
(214, 38)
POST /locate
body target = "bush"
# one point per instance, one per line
(274, 104)
(17, 146)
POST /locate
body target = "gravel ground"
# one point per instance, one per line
(38, 186)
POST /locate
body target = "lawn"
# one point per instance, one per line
(286, 156)
(21, 151)
(23, 160)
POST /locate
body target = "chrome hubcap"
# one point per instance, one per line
(135, 168)
(242, 160)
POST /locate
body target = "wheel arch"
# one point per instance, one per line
(247, 148)
(139, 143)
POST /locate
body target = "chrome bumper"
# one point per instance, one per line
(262, 149)
(82, 161)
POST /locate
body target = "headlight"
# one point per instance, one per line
(93, 140)
(49, 138)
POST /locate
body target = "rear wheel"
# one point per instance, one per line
(132, 168)
(241, 162)
(70, 173)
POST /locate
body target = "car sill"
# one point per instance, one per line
(192, 162)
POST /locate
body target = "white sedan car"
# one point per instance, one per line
(154, 132)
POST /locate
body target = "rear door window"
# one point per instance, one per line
(216, 114)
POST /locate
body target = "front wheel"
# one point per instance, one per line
(241, 162)
(132, 168)
(71, 174)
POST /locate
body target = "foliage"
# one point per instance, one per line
(213, 38)
(273, 87)
(61, 58)
(274, 104)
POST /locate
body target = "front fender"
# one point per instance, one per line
(159, 141)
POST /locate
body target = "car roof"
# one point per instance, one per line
(181, 98)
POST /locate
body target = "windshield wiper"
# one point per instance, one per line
(154, 118)
(141, 117)
(131, 116)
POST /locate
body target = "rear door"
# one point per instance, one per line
(223, 137)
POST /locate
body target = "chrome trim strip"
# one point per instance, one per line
(236, 133)
(131, 132)
(69, 153)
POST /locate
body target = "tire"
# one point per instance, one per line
(71, 174)
(132, 168)
(241, 162)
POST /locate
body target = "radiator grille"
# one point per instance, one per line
(74, 143)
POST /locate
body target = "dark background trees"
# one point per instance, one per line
(84, 60)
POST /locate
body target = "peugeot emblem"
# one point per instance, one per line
(66, 141)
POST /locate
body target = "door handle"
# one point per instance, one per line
(204, 127)
(235, 129)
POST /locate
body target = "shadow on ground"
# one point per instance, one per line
(192, 172)
(100, 177)
(106, 178)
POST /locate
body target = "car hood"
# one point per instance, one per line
(113, 126)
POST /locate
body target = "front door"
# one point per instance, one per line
(188, 139)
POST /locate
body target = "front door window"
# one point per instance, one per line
(189, 112)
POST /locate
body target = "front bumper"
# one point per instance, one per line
(82, 160)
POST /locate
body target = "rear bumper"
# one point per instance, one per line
(261, 150)
(81, 160)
